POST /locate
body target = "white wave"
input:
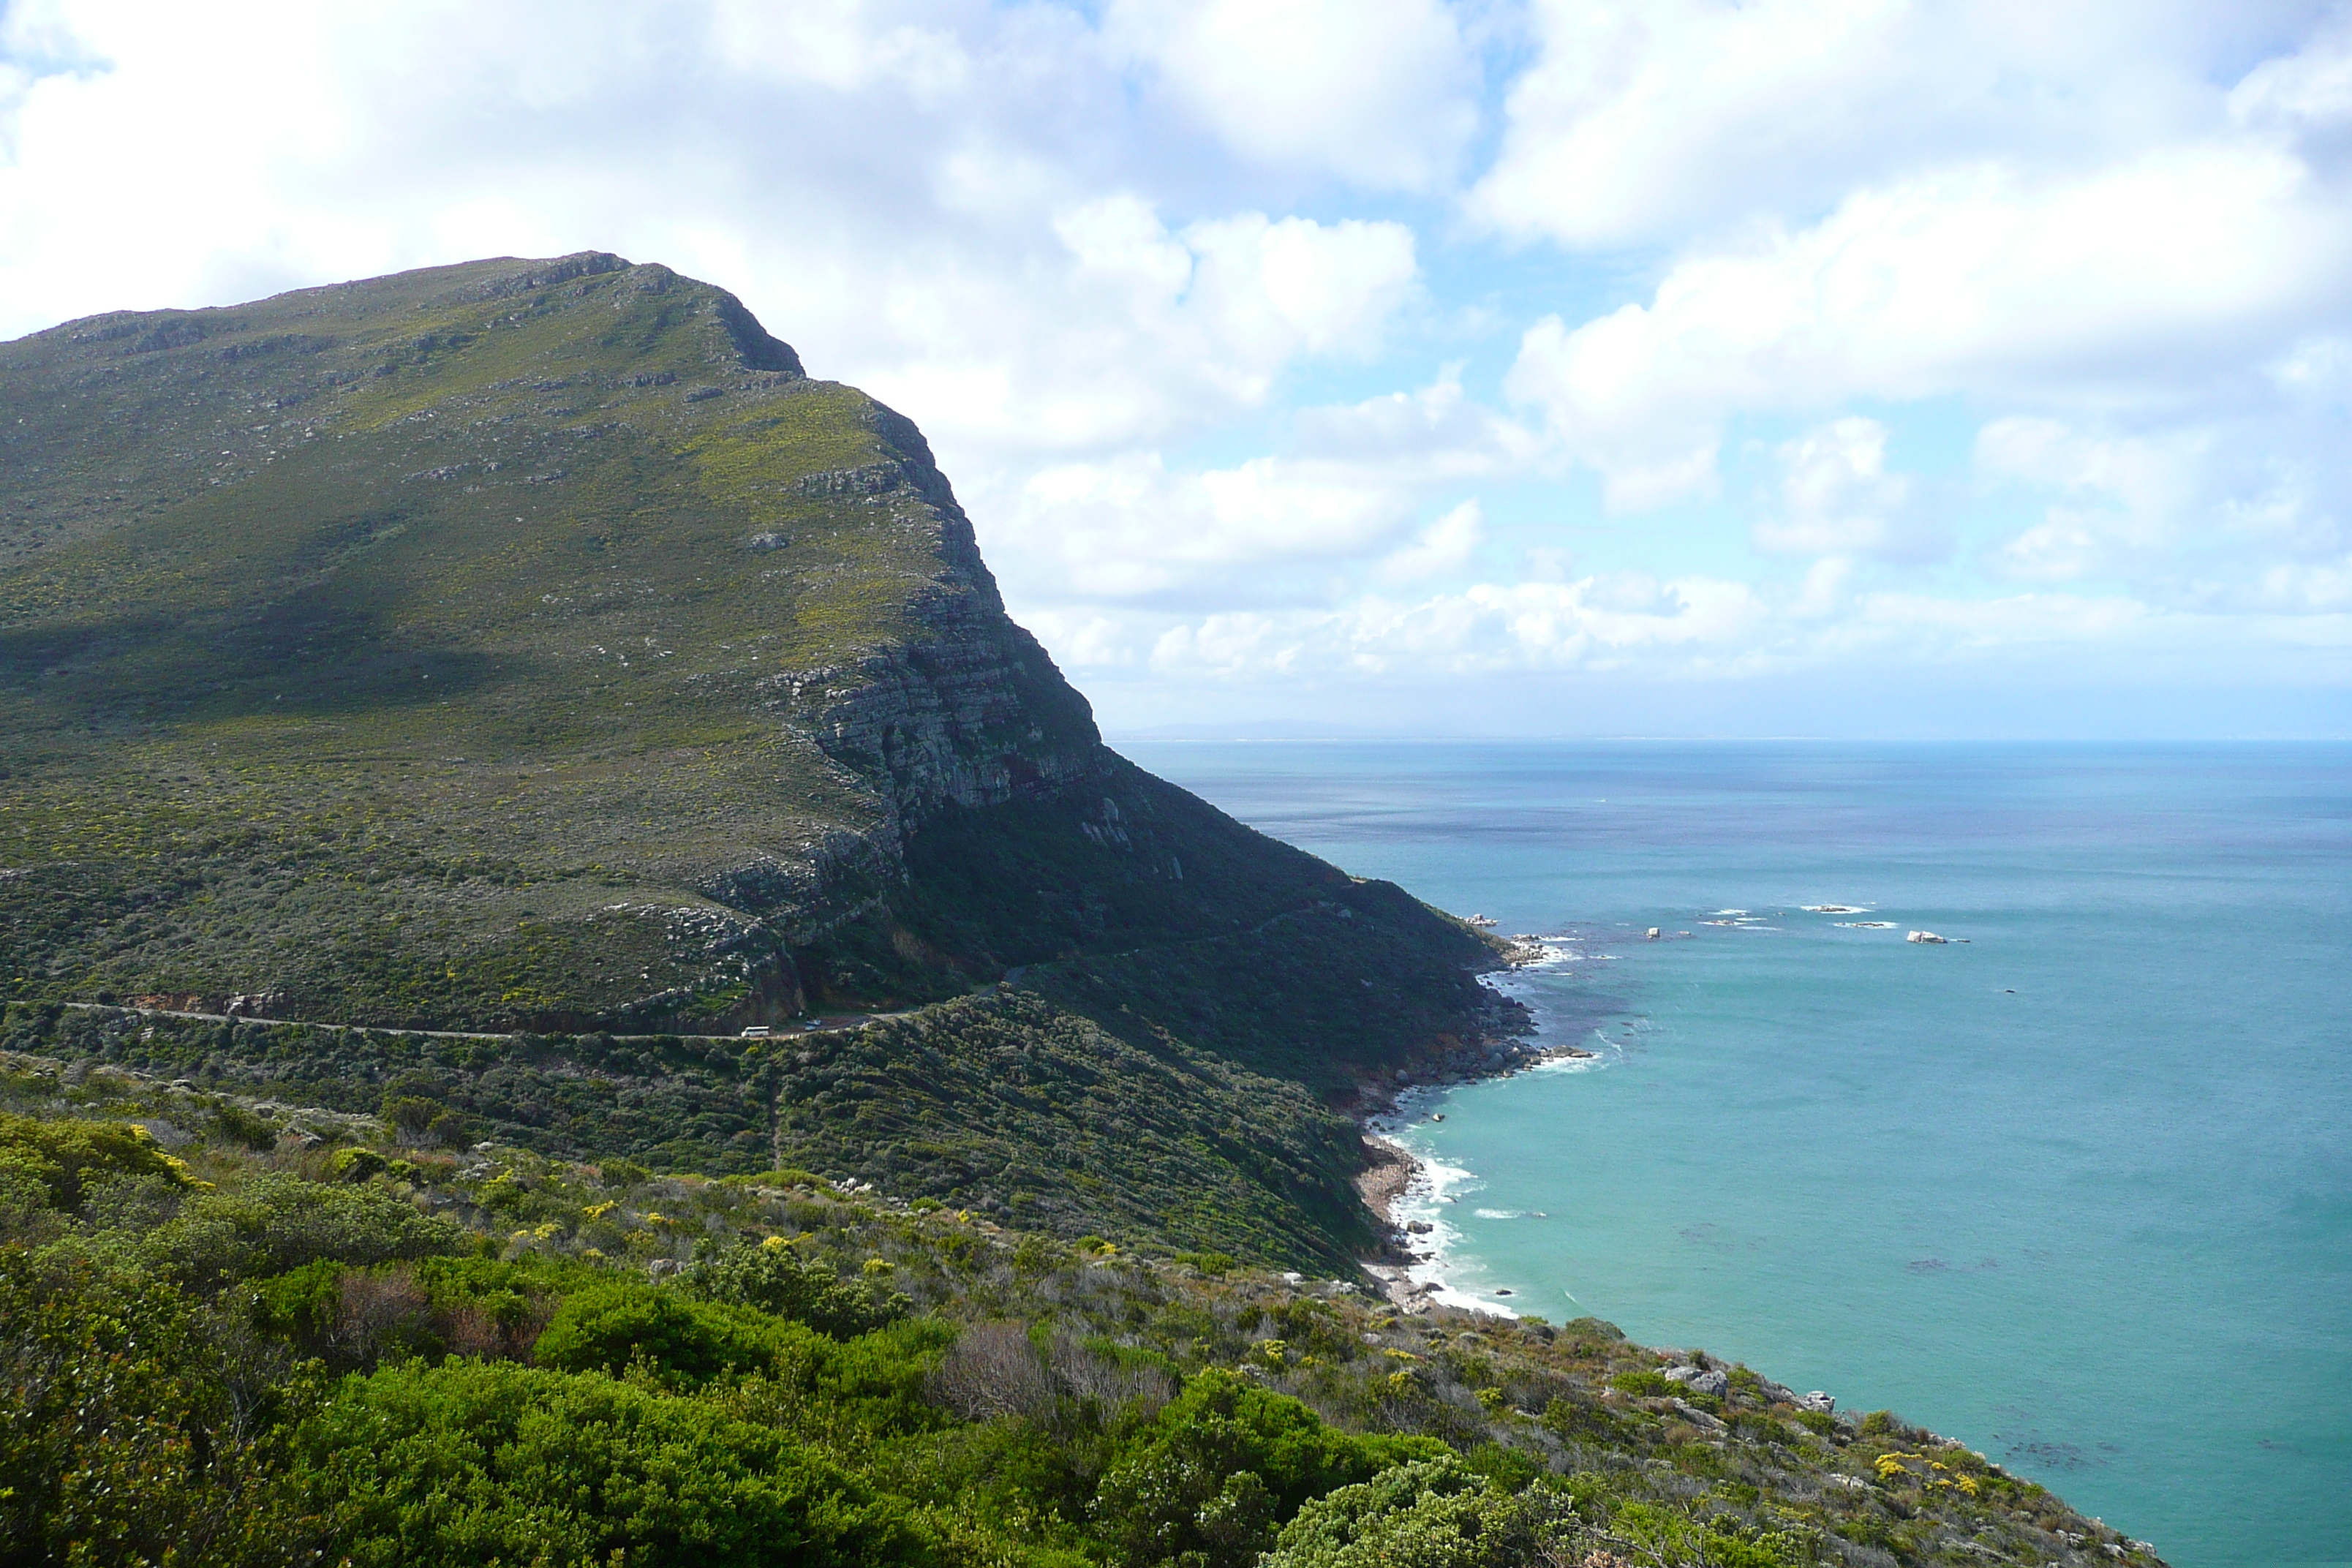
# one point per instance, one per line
(1578, 1064)
(1835, 909)
(1866, 925)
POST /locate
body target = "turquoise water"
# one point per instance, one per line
(2078, 1193)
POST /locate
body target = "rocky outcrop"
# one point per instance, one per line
(969, 712)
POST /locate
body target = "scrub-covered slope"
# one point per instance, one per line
(533, 645)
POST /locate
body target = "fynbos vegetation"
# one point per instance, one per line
(370, 1351)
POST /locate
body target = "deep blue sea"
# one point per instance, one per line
(2075, 1189)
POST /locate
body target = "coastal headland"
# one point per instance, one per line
(462, 726)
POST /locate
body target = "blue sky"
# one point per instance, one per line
(1842, 367)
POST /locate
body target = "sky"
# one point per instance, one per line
(1842, 368)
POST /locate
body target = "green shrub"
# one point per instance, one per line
(771, 1279)
(119, 1438)
(607, 1327)
(410, 1114)
(1647, 1384)
(1513, 1469)
(1223, 1465)
(356, 1164)
(300, 1304)
(133, 1203)
(63, 1155)
(1437, 1513)
(272, 1224)
(238, 1125)
(491, 1462)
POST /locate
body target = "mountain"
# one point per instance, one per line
(533, 647)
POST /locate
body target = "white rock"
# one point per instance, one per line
(1698, 1380)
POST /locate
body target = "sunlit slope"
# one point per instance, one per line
(531, 643)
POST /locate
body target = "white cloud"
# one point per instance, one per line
(1443, 547)
(2309, 91)
(1377, 92)
(1837, 497)
(1600, 623)
(2154, 286)
(2181, 514)
(1652, 123)
(1429, 435)
(917, 194)
(1346, 488)
(1128, 527)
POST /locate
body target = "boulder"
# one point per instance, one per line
(1698, 1418)
(1698, 1380)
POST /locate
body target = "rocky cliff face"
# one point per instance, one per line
(967, 711)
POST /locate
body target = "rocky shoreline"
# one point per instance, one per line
(1389, 1170)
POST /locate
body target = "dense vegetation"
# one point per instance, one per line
(1004, 1103)
(242, 1335)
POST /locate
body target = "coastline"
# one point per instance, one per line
(1393, 1172)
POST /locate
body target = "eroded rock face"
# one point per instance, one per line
(971, 711)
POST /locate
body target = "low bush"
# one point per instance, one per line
(769, 1278)
(1436, 1513)
(271, 1223)
(1224, 1466)
(62, 1155)
(1647, 1384)
(608, 1327)
(491, 1462)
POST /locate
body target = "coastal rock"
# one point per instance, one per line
(1699, 1380)
(1698, 1418)
(1817, 1400)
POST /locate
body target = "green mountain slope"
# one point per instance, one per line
(532, 648)
(533, 643)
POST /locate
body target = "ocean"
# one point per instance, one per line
(2075, 1187)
